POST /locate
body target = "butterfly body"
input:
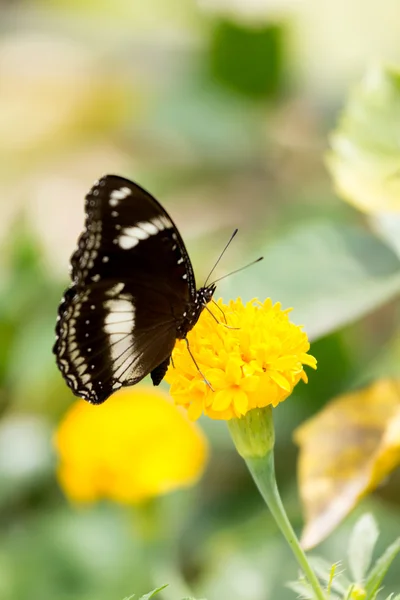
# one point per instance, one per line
(133, 293)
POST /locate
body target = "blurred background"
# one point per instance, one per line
(221, 109)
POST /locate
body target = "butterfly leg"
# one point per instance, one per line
(220, 309)
(215, 318)
(197, 366)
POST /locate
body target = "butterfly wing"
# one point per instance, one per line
(127, 233)
(108, 338)
(132, 279)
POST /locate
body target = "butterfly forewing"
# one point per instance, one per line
(127, 233)
(132, 282)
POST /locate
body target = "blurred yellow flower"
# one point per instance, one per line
(254, 362)
(135, 446)
(346, 451)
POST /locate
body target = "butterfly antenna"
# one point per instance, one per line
(238, 270)
(220, 309)
(220, 256)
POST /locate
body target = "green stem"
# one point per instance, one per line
(263, 472)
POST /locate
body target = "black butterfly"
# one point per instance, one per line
(133, 293)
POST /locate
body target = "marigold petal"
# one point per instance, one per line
(250, 384)
(253, 368)
(240, 403)
(280, 380)
(222, 400)
(304, 376)
(234, 371)
(195, 409)
(219, 378)
(308, 360)
(283, 363)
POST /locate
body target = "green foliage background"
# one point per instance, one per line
(225, 119)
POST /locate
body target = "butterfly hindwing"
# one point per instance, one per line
(107, 338)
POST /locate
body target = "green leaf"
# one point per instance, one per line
(322, 569)
(153, 593)
(361, 546)
(331, 275)
(349, 592)
(365, 156)
(246, 58)
(379, 570)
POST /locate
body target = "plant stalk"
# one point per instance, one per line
(263, 472)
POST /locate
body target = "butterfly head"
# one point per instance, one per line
(205, 294)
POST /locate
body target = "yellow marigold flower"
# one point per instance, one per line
(254, 362)
(136, 446)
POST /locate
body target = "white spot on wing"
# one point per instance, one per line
(89, 244)
(115, 290)
(117, 195)
(74, 355)
(120, 318)
(126, 242)
(119, 324)
(81, 369)
(166, 221)
(148, 227)
(131, 236)
(135, 232)
(158, 223)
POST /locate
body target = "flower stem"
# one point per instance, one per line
(263, 472)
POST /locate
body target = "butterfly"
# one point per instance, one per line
(133, 293)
